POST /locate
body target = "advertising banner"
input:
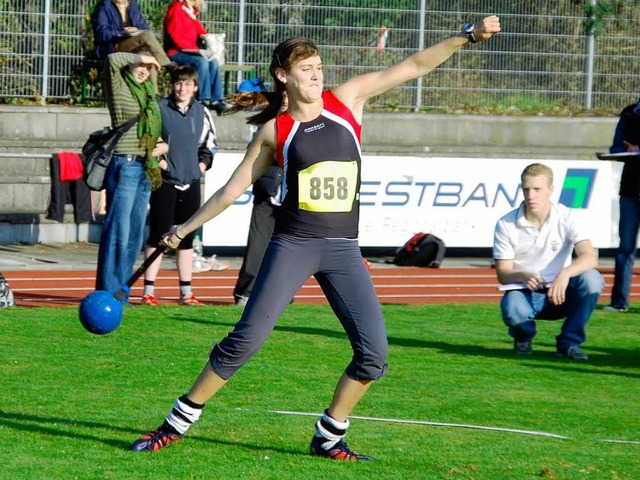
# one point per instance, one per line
(457, 199)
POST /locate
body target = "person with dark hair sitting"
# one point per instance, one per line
(119, 26)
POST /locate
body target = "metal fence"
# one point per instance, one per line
(547, 55)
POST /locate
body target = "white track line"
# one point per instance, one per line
(633, 442)
(454, 425)
(436, 424)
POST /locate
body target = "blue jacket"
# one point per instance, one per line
(108, 26)
(190, 137)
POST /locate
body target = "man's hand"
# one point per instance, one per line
(533, 281)
(558, 289)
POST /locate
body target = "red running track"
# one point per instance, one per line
(403, 285)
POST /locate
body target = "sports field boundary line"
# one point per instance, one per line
(454, 425)
(432, 424)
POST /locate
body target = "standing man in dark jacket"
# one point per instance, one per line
(266, 200)
(627, 139)
(189, 133)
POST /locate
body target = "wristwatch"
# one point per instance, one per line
(468, 31)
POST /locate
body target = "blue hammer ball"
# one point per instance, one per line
(100, 312)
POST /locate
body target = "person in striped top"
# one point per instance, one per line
(134, 170)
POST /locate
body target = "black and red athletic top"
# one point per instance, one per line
(321, 163)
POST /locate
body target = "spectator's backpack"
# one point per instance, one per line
(422, 250)
(6, 295)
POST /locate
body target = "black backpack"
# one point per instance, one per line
(422, 250)
(6, 295)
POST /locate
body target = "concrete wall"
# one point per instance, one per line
(29, 135)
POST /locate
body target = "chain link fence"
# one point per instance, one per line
(549, 54)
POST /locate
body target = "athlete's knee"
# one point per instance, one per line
(231, 353)
(366, 372)
(370, 364)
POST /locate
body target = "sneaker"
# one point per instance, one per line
(218, 106)
(241, 300)
(192, 301)
(154, 441)
(150, 300)
(340, 451)
(522, 348)
(611, 308)
(572, 353)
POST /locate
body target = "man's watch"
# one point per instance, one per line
(468, 31)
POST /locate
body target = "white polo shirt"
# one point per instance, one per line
(547, 250)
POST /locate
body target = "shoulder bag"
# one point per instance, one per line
(97, 152)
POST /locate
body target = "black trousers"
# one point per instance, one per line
(260, 230)
(169, 206)
(76, 193)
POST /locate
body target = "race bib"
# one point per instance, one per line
(328, 186)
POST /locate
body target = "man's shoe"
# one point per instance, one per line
(572, 353)
(150, 300)
(340, 451)
(241, 300)
(611, 308)
(190, 301)
(522, 348)
(154, 441)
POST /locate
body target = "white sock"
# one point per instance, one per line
(185, 289)
(331, 430)
(182, 416)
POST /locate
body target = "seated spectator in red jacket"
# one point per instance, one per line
(182, 36)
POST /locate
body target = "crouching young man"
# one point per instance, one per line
(532, 248)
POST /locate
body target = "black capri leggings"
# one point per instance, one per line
(339, 268)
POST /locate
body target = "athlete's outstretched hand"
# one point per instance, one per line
(484, 29)
(171, 238)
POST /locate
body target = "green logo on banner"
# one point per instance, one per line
(577, 187)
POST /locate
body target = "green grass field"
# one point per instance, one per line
(72, 403)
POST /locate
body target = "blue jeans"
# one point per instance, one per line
(521, 307)
(128, 192)
(209, 77)
(626, 254)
